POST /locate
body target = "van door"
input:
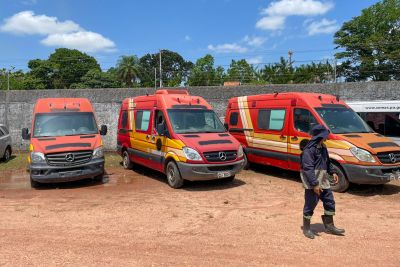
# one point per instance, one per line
(270, 139)
(123, 130)
(142, 138)
(302, 122)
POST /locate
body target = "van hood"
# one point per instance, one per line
(372, 142)
(207, 142)
(58, 144)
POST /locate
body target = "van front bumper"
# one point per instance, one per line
(371, 174)
(44, 173)
(204, 172)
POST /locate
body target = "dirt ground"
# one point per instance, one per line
(135, 219)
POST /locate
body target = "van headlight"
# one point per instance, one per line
(98, 152)
(37, 157)
(240, 152)
(362, 155)
(191, 154)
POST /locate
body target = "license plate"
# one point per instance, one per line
(224, 174)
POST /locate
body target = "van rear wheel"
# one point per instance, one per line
(174, 177)
(343, 184)
(126, 161)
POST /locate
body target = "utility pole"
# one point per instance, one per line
(335, 70)
(290, 58)
(161, 70)
(155, 78)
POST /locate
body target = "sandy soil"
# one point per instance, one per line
(134, 218)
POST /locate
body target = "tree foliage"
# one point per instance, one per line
(371, 44)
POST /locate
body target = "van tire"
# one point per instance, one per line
(7, 154)
(343, 183)
(174, 177)
(246, 164)
(126, 161)
(34, 184)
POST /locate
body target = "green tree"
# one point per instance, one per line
(98, 79)
(205, 74)
(371, 43)
(278, 73)
(174, 69)
(63, 68)
(242, 72)
(128, 70)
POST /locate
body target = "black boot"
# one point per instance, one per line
(306, 228)
(330, 227)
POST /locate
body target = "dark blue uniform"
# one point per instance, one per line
(315, 170)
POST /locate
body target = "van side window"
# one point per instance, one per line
(271, 119)
(303, 119)
(142, 120)
(124, 122)
(1, 132)
(233, 119)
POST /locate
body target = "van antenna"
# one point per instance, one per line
(320, 98)
(337, 98)
(198, 100)
(275, 94)
(147, 94)
(179, 100)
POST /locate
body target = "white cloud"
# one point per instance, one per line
(255, 60)
(297, 8)
(58, 33)
(83, 40)
(324, 26)
(254, 41)
(187, 38)
(27, 23)
(227, 48)
(271, 23)
(276, 13)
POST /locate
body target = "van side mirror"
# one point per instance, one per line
(25, 134)
(103, 130)
(226, 126)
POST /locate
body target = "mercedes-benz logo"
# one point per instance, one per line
(392, 157)
(222, 156)
(69, 157)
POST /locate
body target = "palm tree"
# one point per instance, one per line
(128, 69)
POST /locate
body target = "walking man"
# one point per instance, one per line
(315, 170)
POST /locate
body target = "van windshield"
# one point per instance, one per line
(62, 124)
(195, 121)
(343, 120)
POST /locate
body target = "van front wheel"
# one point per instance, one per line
(173, 175)
(343, 183)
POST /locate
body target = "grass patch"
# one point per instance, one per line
(19, 161)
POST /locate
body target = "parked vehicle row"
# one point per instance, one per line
(181, 136)
(5, 143)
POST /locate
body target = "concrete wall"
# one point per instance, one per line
(16, 106)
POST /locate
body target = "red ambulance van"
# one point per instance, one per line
(179, 135)
(65, 142)
(272, 128)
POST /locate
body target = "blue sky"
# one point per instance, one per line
(259, 31)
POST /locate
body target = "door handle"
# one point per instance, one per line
(153, 138)
(282, 136)
(294, 138)
(147, 137)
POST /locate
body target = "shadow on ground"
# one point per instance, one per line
(189, 185)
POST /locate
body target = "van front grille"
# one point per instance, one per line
(69, 158)
(220, 156)
(389, 157)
